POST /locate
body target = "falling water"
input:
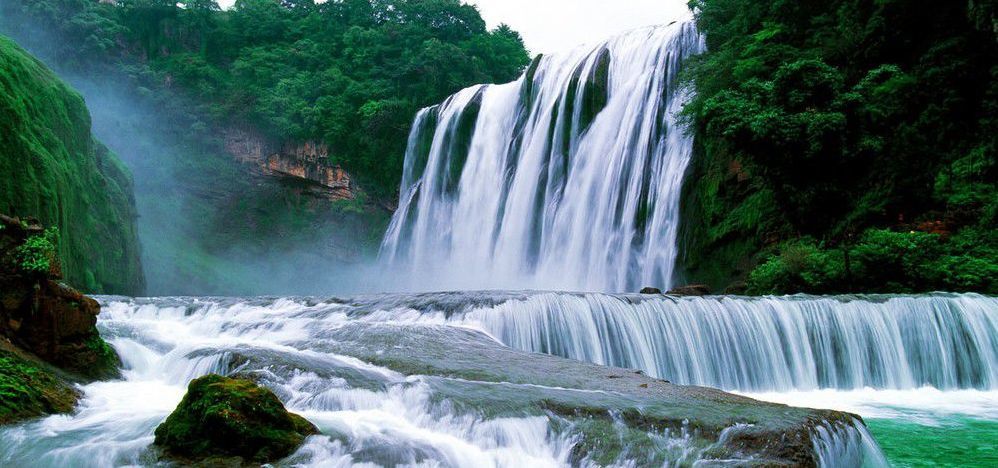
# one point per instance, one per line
(847, 445)
(302, 349)
(764, 344)
(568, 178)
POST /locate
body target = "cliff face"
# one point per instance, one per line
(305, 161)
(55, 171)
(42, 316)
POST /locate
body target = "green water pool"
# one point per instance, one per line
(956, 442)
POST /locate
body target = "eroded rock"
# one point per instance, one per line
(42, 316)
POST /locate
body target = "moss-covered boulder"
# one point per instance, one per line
(29, 389)
(222, 417)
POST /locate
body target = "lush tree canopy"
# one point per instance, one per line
(817, 121)
(351, 73)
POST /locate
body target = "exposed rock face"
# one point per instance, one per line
(221, 418)
(42, 316)
(306, 161)
(459, 364)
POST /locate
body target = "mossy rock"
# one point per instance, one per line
(224, 417)
(29, 390)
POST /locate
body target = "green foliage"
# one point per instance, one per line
(27, 390)
(883, 261)
(817, 121)
(107, 360)
(227, 417)
(802, 266)
(55, 171)
(351, 73)
(38, 253)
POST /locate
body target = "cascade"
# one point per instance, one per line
(763, 344)
(567, 179)
(307, 349)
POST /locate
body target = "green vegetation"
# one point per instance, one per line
(167, 83)
(349, 73)
(844, 146)
(106, 361)
(882, 261)
(38, 253)
(54, 170)
(224, 417)
(27, 390)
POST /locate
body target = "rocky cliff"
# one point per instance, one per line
(41, 315)
(305, 161)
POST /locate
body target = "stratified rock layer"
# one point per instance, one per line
(306, 161)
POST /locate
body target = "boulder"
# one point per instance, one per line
(222, 418)
(651, 291)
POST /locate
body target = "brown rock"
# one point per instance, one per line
(307, 161)
(46, 318)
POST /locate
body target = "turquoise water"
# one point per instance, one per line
(924, 427)
(956, 441)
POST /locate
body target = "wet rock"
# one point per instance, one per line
(42, 316)
(737, 288)
(651, 291)
(221, 418)
(690, 290)
(612, 410)
(28, 389)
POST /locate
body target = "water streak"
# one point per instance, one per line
(847, 445)
(369, 415)
(764, 344)
(568, 178)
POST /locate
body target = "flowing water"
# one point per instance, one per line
(922, 370)
(568, 178)
(797, 343)
(306, 350)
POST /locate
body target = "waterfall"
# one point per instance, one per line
(847, 445)
(313, 354)
(764, 344)
(568, 178)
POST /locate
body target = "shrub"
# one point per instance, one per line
(39, 253)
